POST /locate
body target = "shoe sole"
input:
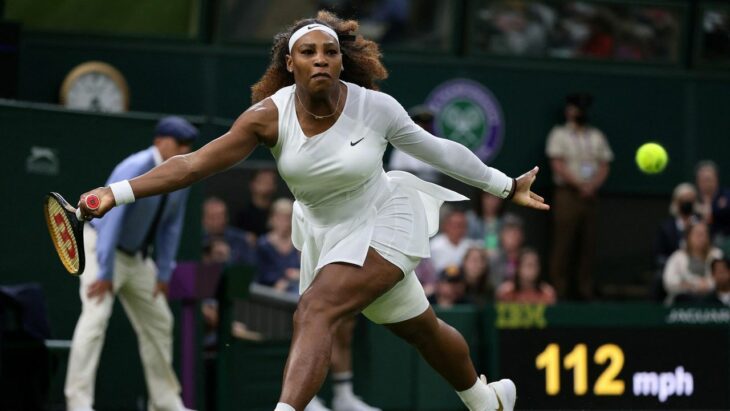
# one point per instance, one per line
(506, 394)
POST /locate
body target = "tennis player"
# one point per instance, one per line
(361, 231)
(119, 264)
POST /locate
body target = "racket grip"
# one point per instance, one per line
(92, 202)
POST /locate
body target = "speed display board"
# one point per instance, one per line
(622, 358)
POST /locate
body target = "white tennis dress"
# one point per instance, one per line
(346, 203)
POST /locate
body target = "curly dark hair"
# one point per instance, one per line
(360, 57)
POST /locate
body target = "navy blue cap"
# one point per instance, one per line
(176, 127)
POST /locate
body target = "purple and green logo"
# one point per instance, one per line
(468, 113)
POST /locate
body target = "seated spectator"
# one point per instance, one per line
(451, 288)
(527, 287)
(682, 214)
(252, 219)
(449, 247)
(504, 263)
(216, 251)
(687, 274)
(426, 275)
(484, 224)
(215, 227)
(278, 260)
(721, 276)
(475, 268)
(714, 204)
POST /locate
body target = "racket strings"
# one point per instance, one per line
(62, 235)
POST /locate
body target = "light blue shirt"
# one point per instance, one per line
(126, 226)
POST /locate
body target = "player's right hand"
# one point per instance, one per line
(106, 203)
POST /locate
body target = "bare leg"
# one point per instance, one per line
(342, 346)
(336, 294)
(441, 346)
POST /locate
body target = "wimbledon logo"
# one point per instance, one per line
(468, 113)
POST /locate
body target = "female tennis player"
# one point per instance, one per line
(361, 231)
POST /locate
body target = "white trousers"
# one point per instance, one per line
(134, 284)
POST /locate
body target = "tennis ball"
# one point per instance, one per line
(651, 158)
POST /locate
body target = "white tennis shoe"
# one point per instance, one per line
(506, 393)
(350, 403)
(316, 405)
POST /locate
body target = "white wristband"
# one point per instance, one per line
(122, 191)
(499, 184)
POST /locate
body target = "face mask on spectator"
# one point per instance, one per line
(581, 118)
(686, 208)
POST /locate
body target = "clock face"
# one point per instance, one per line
(95, 91)
(95, 86)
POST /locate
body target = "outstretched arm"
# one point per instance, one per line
(256, 125)
(459, 162)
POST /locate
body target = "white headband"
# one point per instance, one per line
(309, 28)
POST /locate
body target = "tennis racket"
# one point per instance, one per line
(66, 227)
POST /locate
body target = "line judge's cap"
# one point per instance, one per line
(176, 127)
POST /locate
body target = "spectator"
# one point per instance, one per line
(579, 157)
(278, 260)
(216, 251)
(671, 233)
(687, 273)
(475, 268)
(399, 160)
(527, 287)
(428, 277)
(451, 287)
(714, 203)
(254, 216)
(484, 224)
(216, 228)
(449, 247)
(511, 239)
(721, 276)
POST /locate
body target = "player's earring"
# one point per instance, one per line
(342, 68)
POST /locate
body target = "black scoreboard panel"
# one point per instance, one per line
(617, 368)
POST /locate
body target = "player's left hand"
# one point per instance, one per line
(161, 288)
(523, 196)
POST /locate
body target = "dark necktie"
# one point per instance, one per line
(150, 237)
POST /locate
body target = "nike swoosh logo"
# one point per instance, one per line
(309, 27)
(355, 143)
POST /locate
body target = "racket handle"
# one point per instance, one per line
(92, 203)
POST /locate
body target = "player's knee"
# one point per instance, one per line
(312, 309)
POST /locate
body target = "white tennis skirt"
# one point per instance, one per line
(396, 216)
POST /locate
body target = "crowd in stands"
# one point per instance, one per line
(692, 244)
(579, 29)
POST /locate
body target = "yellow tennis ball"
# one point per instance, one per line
(651, 158)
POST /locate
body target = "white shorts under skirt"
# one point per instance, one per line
(404, 301)
(396, 218)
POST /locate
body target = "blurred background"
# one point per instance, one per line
(621, 306)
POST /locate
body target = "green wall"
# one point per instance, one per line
(687, 111)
